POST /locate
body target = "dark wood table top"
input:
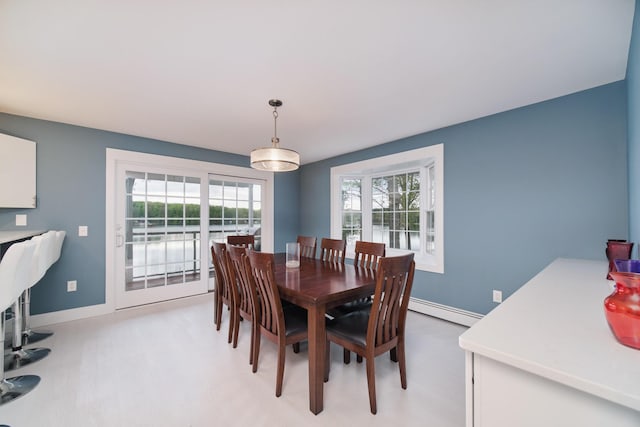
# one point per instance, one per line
(318, 282)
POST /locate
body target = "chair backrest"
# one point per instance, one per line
(394, 279)
(56, 247)
(40, 262)
(246, 240)
(271, 316)
(308, 246)
(240, 273)
(368, 254)
(333, 250)
(220, 265)
(15, 272)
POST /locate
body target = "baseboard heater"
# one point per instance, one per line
(445, 312)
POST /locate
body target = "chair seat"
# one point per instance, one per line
(352, 326)
(295, 320)
(350, 307)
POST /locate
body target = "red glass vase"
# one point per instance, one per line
(622, 308)
(617, 249)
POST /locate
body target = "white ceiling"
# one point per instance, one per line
(351, 74)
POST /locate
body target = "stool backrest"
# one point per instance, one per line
(15, 269)
(56, 246)
(41, 255)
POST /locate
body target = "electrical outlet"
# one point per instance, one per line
(83, 231)
(21, 220)
(72, 286)
(497, 296)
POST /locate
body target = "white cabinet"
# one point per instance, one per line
(17, 172)
(546, 356)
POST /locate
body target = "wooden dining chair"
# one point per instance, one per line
(368, 253)
(308, 246)
(333, 250)
(223, 292)
(245, 240)
(246, 300)
(283, 326)
(382, 328)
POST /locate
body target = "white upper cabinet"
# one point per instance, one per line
(17, 172)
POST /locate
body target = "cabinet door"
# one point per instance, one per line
(17, 172)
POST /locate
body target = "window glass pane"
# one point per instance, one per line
(135, 182)
(192, 187)
(175, 207)
(192, 208)
(243, 191)
(156, 185)
(175, 186)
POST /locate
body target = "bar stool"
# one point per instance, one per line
(48, 254)
(19, 357)
(14, 276)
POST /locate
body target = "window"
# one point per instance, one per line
(235, 207)
(396, 200)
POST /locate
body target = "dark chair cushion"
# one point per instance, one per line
(295, 319)
(352, 326)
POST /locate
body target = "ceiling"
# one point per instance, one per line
(352, 74)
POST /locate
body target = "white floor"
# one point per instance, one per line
(165, 365)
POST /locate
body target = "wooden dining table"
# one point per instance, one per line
(318, 285)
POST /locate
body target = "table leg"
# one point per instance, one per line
(317, 342)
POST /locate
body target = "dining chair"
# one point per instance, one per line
(381, 328)
(308, 246)
(247, 296)
(366, 257)
(281, 325)
(333, 250)
(223, 291)
(246, 240)
(14, 279)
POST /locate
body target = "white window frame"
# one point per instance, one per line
(418, 159)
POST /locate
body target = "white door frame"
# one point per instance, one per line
(115, 157)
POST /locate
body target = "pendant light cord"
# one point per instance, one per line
(275, 140)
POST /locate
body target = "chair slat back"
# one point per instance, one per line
(221, 266)
(308, 246)
(394, 280)
(247, 241)
(271, 315)
(238, 265)
(333, 250)
(368, 254)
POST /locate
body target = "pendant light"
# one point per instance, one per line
(274, 158)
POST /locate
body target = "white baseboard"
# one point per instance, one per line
(62, 316)
(445, 312)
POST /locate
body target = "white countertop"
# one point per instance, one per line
(554, 326)
(13, 235)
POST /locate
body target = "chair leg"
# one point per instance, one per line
(280, 369)
(296, 347)
(253, 332)
(327, 360)
(231, 324)
(256, 350)
(346, 356)
(218, 310)
(393, 355)
(236, 327)
(358, 358)
(371, 383)
(403, 364)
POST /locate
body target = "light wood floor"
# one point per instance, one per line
(165, 365)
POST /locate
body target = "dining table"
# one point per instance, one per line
(318, 285)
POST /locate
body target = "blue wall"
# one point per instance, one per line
(633, 85)
(71, 192)
(521, 189)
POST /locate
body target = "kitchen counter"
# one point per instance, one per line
(550, 340)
